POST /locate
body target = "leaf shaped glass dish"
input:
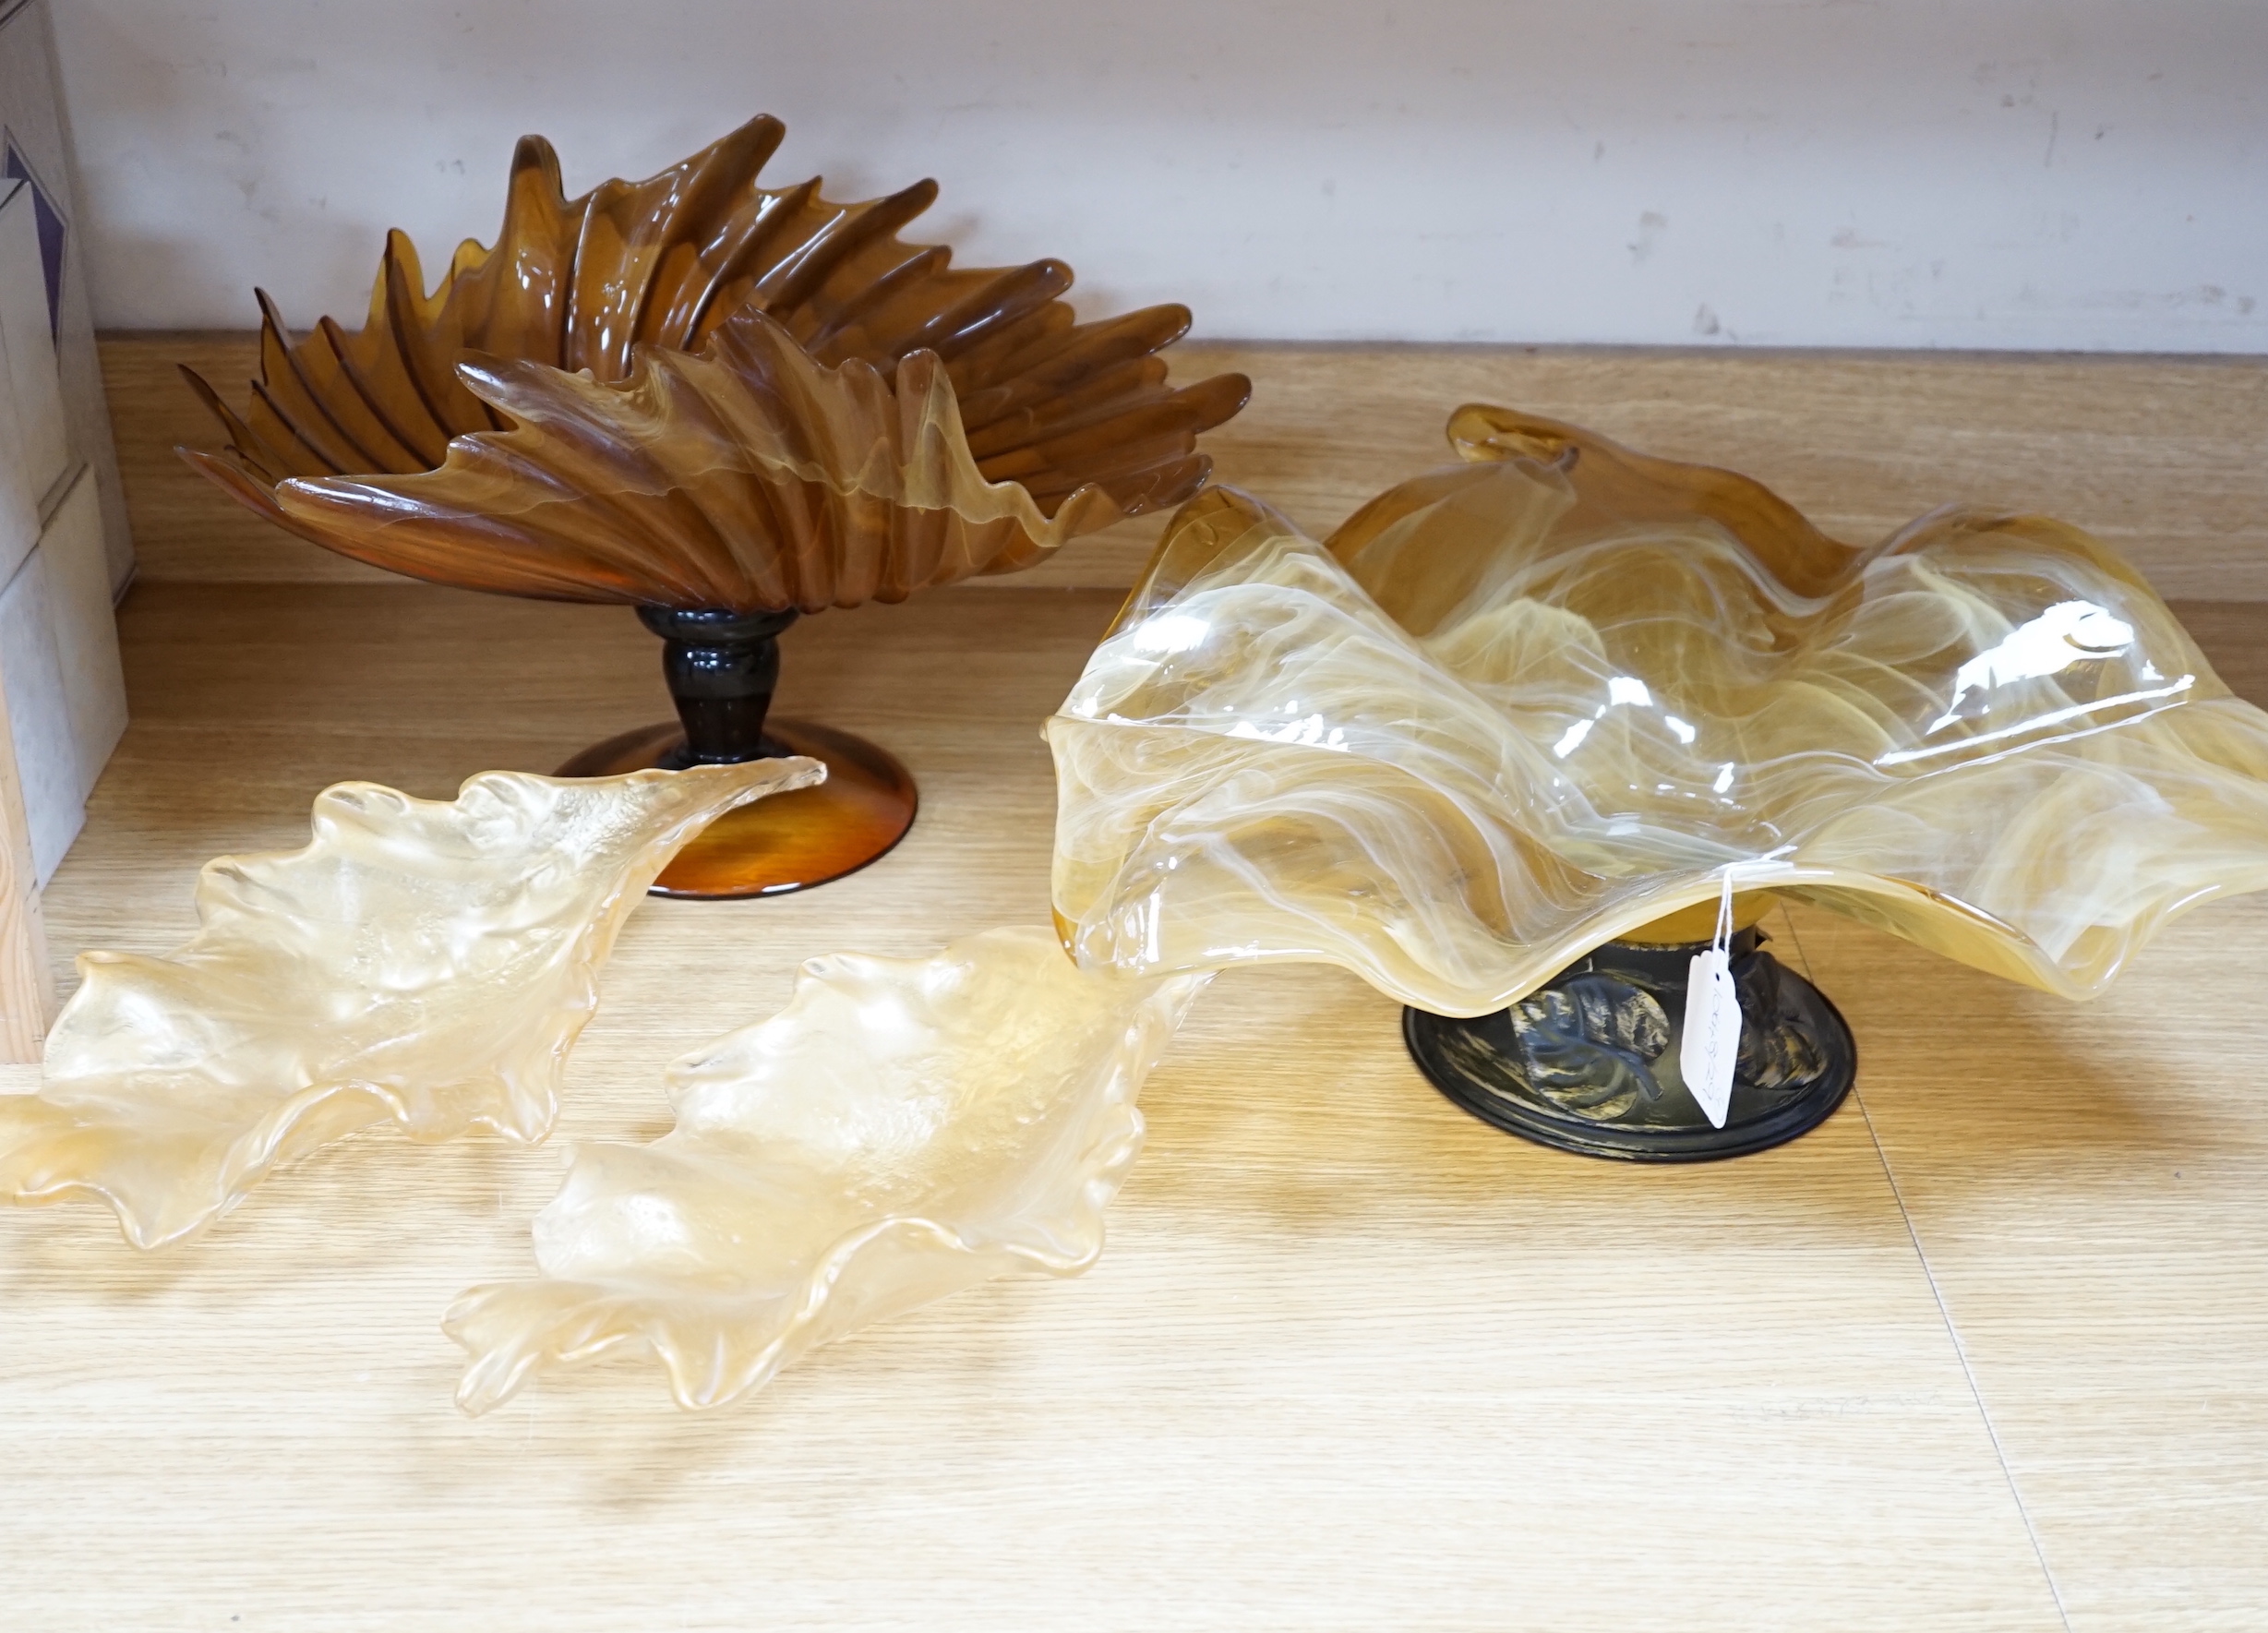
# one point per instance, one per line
(904, 1128)
(426, 963)
(800, 494)
(1533, 705)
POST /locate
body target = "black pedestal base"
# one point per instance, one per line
(1588, 1063)
(722, 667)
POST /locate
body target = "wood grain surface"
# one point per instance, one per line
(1985, 1352)
(26, 989)
(2162, 457)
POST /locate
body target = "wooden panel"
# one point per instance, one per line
(27, 984)
(1351, 1359)
(184, 528)
(2086, 1182)
(2159, 456)
(2235, 637)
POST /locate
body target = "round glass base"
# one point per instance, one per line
(790, 841)
(1588, 1063)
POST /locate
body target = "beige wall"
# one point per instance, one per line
(2035, 173)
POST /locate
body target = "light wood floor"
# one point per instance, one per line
(1987, 1350)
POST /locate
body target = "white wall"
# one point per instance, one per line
(2060, 174)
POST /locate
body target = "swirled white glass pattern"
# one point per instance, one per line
(904, 1128)
(1521, 706)
(427, 962)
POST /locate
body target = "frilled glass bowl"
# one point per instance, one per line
(727, 405)
(1501, 745)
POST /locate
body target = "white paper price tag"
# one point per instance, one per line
(1709, 1052)
(1710, 1048)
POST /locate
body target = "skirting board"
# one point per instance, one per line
(2159, 456)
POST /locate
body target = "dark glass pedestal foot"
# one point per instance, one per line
(1588, 1063)
(721, 668)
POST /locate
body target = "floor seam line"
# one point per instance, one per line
(1945, 1314)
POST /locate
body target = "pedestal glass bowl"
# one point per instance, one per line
(1522, 709)
(727, 405)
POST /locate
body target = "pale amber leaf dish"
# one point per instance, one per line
(904, 1129)
(1525, 705)
(422, 963)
